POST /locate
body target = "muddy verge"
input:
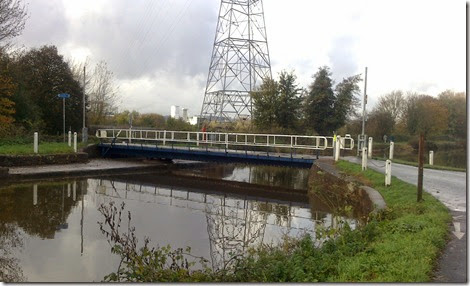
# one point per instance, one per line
(37, 160)
(341, 192)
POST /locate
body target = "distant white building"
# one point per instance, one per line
(185, 114)
(193, 120)
(175, 112)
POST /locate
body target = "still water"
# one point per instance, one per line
(49, 230)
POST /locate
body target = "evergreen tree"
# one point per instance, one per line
(265, 104)
(319, 113)
(289, 102)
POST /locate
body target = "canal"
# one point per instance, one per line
(49, 230)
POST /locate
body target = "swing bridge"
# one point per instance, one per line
(266, 149)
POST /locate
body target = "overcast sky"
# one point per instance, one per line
(159, 50)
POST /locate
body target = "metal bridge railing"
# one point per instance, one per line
(227, 139)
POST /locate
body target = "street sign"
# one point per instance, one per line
(63, 95)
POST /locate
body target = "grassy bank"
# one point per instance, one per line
(410, 235)
(44, 148)
(400, 244)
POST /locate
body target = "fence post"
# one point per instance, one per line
(364, 158)
(197, 138)
(36, 142)
(70, 138)
(431, 158)
(388, 173)
(369, 150)
(391, 150)
(226, 140)
(75, 142)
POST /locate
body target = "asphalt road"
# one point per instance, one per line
(449, 187)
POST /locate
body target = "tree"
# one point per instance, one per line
(103, 94)
(7, 89)
(13, 17)
(347, 100)
(288, 102)
(320, 102)
(265, 104)
(151, 120)
(41, 75)
(425, 115)
(455, 104)
(327, 110)
(379, 123)
(392, 103)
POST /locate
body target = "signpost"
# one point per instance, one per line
(63, 96)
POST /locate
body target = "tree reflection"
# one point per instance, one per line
(39, 210)
(279, 176)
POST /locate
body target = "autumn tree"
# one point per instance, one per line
(455, 103)
(13, 17)
(425, 115)
(150, 120)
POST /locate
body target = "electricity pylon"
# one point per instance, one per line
(239, 63)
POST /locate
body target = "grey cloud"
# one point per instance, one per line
(342, 59)
(151, 36)
(46, 24)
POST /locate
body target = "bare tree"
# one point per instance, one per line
(392, 103)
(13, 17)
(103, 95)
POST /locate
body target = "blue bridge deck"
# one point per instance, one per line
(206, 154)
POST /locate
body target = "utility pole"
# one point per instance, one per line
(361, 139)
(364, 104)
(84, 129)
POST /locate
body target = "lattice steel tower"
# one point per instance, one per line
(240, 61)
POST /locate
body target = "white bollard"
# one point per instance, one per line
(36, 142)
(364, 158)
(35, 194)
(388, 173)
(369, 149)
(337, 147)
(431, 158)
(75, 142)
(391, 151)
(70, 138)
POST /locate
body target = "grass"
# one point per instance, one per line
(411, 235)
(44, 148)
(427, 166)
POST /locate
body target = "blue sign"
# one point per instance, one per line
(63, 95)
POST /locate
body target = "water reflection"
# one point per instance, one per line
(293, 178)
(49, 231)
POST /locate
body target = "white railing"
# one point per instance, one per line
(218, 138)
